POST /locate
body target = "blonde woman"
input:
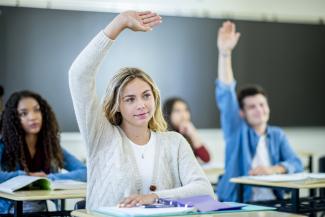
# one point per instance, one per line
(131, 159)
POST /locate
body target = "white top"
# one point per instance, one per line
(145, 157)
(111, 165)
(262, 158)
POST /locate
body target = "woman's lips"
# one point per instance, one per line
(34, 125)
(142, 115)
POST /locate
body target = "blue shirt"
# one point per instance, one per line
(76, 171)
(241, 142)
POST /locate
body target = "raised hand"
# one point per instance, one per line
(135, 21)
(140, 21)
(227, 37)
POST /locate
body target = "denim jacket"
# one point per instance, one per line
(241, 142)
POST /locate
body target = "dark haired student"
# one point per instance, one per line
(30, 145)
(252, 146)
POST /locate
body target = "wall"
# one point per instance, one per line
(287, 59)
(302, 140)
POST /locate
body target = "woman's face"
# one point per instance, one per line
(30, 115)
(180, 114)
(137, 103)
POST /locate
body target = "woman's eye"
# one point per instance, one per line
(146, 96)
(22, 114)
(129, 100)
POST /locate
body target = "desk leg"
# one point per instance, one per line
(240, 193)
(18, 210)
(295, 200)
(62, 203)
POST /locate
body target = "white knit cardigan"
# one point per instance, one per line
(112, 168)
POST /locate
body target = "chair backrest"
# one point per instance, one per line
(80, 205)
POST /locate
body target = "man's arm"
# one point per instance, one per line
(225, 86)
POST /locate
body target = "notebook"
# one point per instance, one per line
(141, 211)
(42, 183)
(189, 205)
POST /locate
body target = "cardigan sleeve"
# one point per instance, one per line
(88, 109)
(193, 180)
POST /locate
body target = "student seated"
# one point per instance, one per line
(131, 159)
(252, 146)
(30, 145)
(178, 117)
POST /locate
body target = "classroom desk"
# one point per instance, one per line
(296, 204)
(20, 196)
(212, 171)
(84, 213)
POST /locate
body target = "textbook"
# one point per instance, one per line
(296, 177)
(38, 183)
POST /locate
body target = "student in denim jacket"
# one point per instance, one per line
(30, 145)
(252, 146)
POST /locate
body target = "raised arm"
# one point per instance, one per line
(227, 40)
(226, 97)
(89, 112)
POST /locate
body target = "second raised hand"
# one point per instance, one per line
(135, 21)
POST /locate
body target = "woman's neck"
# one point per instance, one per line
(138, 135)
(31, 141)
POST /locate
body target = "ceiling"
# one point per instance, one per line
(292, 11)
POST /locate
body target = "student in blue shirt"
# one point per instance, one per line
(30, 145)
(252, 146)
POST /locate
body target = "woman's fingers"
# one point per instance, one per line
(151, 19)
(130, 201)
(148, 15)
(144, 13)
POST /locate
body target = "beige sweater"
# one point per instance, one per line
(112, 168)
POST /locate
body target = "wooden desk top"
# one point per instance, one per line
(213, 173)
(295, 185)
(44, 195)
(84, 213)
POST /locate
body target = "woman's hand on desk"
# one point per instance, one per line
(136, 200)
(278, 169)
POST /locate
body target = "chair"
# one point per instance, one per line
(80, 205)
(321, 169)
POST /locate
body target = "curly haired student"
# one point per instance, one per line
(30, 145)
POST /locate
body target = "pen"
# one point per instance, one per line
(158, 206)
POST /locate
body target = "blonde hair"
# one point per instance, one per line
(113, 94)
